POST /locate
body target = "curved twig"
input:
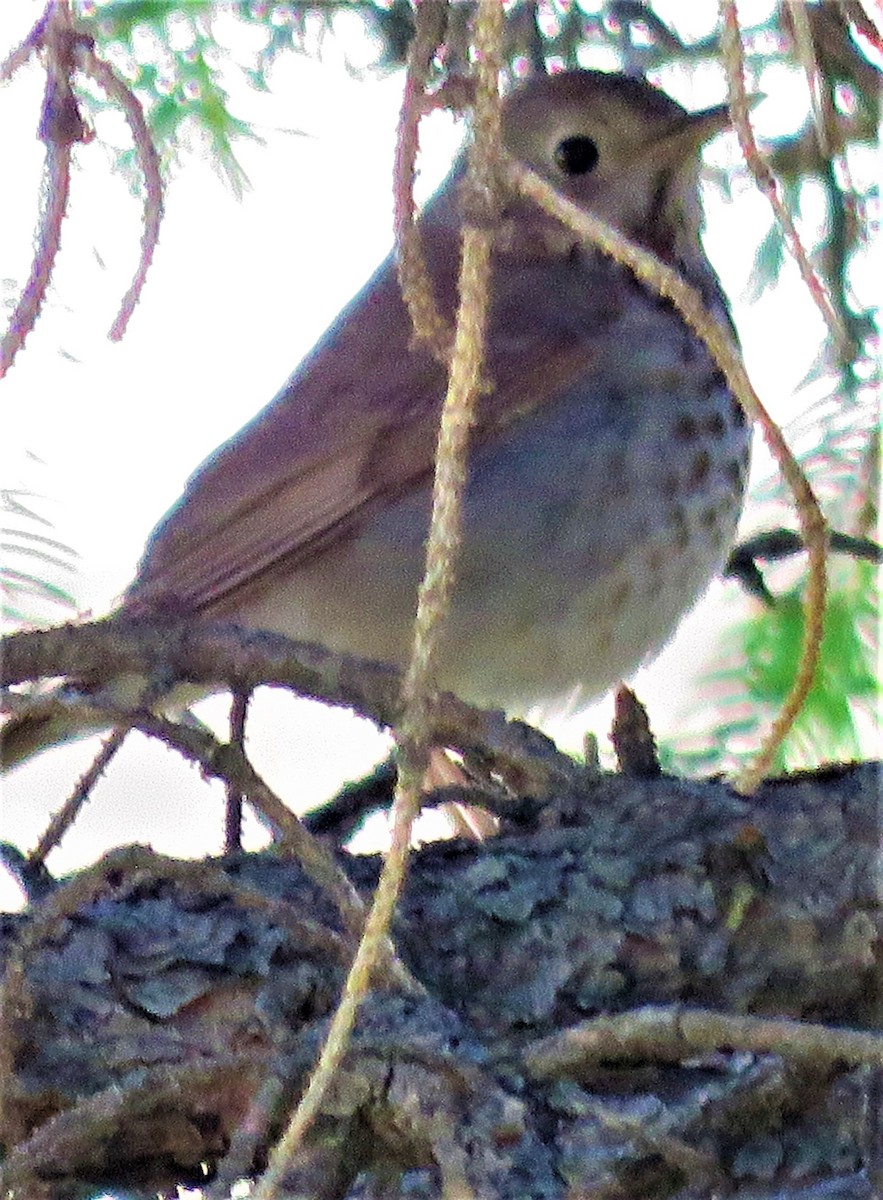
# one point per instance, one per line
(148, 160)
(734, 66)
(689, 303)
(430, 327)
(776, 544)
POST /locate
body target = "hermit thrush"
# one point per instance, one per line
(608, 460)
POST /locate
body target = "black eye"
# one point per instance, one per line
(576, 155)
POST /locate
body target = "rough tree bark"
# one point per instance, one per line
(148, 1003)
(644, 987)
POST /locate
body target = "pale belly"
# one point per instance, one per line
(589, 530)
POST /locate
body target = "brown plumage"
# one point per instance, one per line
(608, 458)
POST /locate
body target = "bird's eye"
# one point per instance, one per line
(576, 155)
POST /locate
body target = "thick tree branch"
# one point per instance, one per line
(241, 660)
(156, 1012)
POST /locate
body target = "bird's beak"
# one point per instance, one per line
(700, 127)
(711, 121)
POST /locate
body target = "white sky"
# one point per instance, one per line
(238, 292)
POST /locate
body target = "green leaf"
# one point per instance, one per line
(846, 674)
(768, 259)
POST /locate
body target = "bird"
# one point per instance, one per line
(608, 458)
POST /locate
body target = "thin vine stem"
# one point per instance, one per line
(690, 305)
(434, 597)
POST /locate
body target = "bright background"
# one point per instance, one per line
(105, 435)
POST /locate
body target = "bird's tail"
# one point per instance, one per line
(53, 721)
(75, 711)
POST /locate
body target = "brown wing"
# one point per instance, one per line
(296, 471)
(356, 425)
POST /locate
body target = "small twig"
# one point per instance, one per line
(632, 738)
(70, 810)
(776, 544)
(671, 1034)
(233, 808)
(344, 812)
